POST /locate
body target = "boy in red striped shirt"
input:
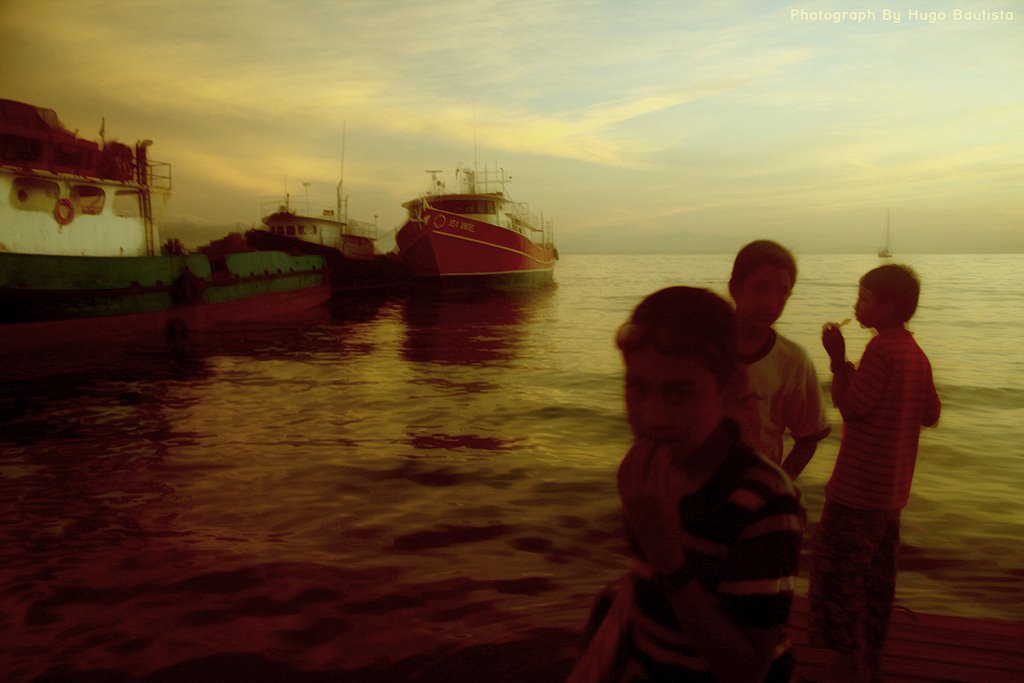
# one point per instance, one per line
(885, 402)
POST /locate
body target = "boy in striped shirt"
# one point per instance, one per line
(885, 402)
(715, 528)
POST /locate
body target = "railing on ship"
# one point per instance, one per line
(520, 211)
(315, 211)
(114, 161)
(362, 229)
(160, 175)
(477, 181)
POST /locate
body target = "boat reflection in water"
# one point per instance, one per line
(462, 345)
(468, 327)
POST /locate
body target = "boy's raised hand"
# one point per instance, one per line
(650, 514)
(834, 342)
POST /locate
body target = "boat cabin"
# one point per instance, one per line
(63, 195)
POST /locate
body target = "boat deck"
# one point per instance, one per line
(929, 647)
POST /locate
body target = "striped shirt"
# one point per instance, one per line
(742, 530)
(884, 403)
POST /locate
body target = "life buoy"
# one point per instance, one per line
(64, 211)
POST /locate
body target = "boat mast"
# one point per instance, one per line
(884, 251)
(887, 230)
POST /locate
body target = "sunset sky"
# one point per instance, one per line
(636, 126)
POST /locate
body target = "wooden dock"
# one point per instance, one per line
(928, 648)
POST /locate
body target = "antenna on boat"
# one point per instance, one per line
(476, 161)
(343, 217)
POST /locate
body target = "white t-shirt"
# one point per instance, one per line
(782, 393)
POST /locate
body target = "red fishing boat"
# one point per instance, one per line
(476, 237)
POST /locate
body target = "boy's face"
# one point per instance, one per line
(869, 311)
(671, 399)
(761, 297)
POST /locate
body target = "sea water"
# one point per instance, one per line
(413, 488)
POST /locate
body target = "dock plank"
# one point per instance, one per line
(926, 648)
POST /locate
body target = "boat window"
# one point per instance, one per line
(291, 229)
(127, 204)
(477, 206)
(88, 199)
(312, 230)
(34, 194)
(302, 229)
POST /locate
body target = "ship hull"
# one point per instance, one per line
(55, 300)
(450, 249)
(347, 273)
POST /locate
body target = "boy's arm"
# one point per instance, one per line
(801, 454)
(855, 391)
(806, 420)
(739, 650)
(863, 387)
(737, 632)
(932, 405)
(841, 377)
(734, 654)
(835, 345)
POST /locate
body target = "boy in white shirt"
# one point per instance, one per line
(783, 389)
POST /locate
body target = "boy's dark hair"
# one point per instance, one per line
(758, 254)
(895, 284)
(685, 321)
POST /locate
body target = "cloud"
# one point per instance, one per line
(683, 117)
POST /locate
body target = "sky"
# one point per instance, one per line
(635, 126)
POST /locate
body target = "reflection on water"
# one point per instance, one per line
(477, 330)
(402, 489)
(256, 499)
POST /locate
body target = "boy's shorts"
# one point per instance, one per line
(853, 577)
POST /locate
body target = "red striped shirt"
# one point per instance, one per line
(884, 403)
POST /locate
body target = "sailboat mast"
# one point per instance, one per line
(884, 251)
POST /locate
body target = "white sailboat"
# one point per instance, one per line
(884, 252)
